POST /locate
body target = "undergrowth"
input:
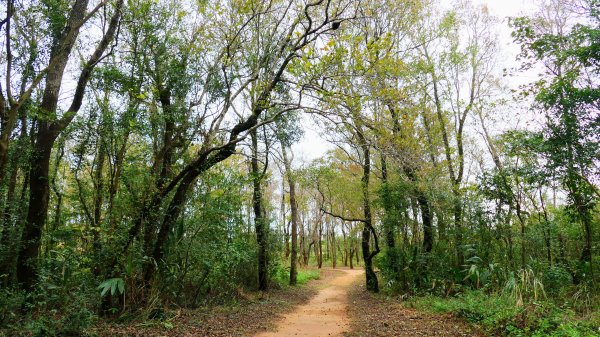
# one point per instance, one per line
(499, 315)
(282, 276)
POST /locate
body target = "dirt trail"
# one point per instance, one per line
(324, 315)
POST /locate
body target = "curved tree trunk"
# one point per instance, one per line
(368, 230)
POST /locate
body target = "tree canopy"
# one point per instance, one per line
(149, 153)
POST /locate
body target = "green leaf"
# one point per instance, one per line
(115, 285)
(113, 288)
(121, 286)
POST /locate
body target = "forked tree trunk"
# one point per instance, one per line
(49, 130)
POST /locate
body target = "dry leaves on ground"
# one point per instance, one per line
(256, 313)
(374, 315)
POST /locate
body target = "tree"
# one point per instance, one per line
(287, 133)
(568, 96)
(460, 74)
(260, 219)
(50, 126)
(265, 70)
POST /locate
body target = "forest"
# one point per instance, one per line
(154, 178)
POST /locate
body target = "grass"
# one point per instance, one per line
(306, 275)
(500, 316)
(282, 277)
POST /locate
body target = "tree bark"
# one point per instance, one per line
(259, 219)
(368, 230)
(48, 131)
(422, 200)
(294, 212)
(38, 208)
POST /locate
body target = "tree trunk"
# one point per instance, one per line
(98, 202)
(409, 169)
(259, 220)
(320, 244)
(458, 227)
(49, 128)
(426, 217)
(441, 222)
(345, 243)
(388, 222)
(6, 244)
(368, 230)
(294, 214)
(38, 207)
(284, 223)
(333, 246)
(161, 167)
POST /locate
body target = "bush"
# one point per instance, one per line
(77, 321)
(11, 302)
(556, 278)
(50, 310)
(306, 275)
(281, 276)
(74, 323)
(500, 316)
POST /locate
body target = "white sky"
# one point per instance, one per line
(312, 146)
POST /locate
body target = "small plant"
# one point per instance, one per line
(498, 315)
(473, 271)
(583, 298)
(306, 275)
(115, 285)
(523, 285)
(41, 327)
(10, 304)
(480, 275)
(75, 323)
(556, 278)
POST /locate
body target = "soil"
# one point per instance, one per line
(326, 314)
(335, 305)
(374, 315)
(254, 312)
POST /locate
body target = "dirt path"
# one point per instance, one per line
(324, 315)
(389, 317)
(334, 305)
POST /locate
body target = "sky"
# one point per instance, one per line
(504, 8)
(313, 146)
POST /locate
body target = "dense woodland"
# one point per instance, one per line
(148, 154)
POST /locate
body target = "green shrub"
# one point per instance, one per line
(499, 315)
(76, 322)
(306, 275)
(42, 327)
(50, 310)
(281, 276)
(11, 302)
(556, 278)
(73, 323)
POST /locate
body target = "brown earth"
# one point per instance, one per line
(255, 312)
(324, 315)
(374, 315)
(335, 305)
